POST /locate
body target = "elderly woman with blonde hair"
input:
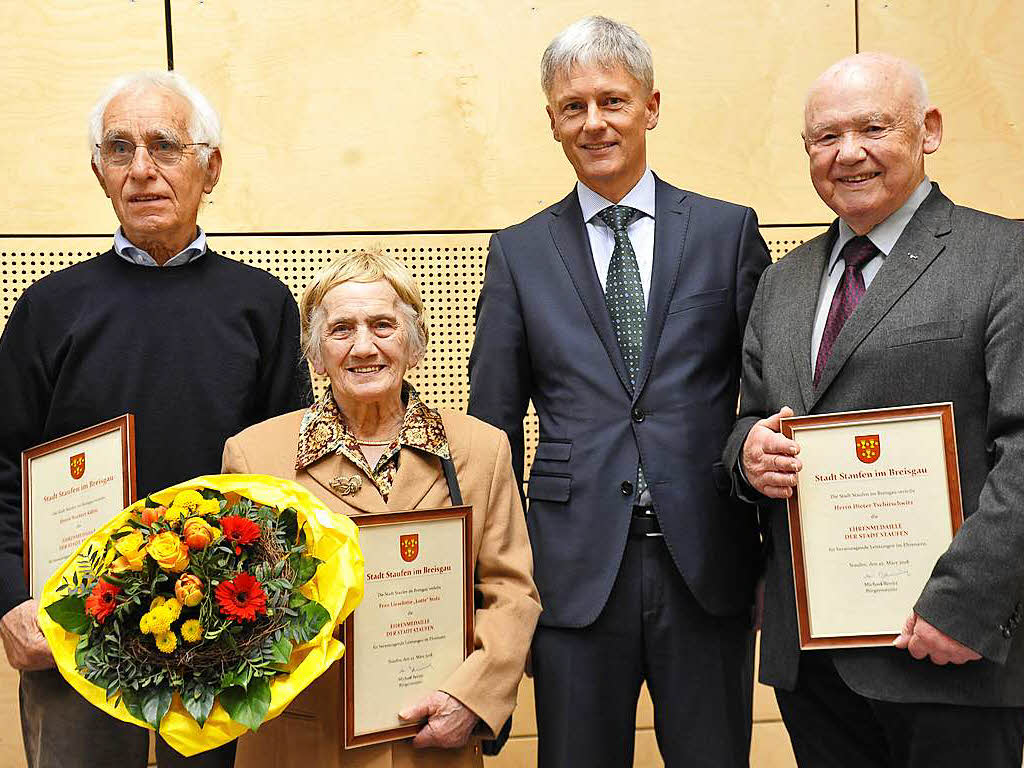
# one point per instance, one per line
(372, 445)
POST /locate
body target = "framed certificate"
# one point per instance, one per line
(69, 488)
(876, 504)
(414, 627)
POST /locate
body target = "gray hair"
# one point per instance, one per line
(600, 41)
(203, 124)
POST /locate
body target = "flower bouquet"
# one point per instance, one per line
(204, 609)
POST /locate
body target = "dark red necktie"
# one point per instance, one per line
(856, 253)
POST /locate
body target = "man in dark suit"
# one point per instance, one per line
(907, 299)
(619, 312)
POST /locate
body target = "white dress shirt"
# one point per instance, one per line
(131, 253)
(641, 231)
(883, 236)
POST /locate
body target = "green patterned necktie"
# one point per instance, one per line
(624, 295)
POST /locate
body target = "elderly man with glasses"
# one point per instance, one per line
(195, 345)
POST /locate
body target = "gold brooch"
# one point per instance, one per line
(346, 486)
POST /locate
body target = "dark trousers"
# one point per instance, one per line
(698, 669)
(831, 726)
(62, 730)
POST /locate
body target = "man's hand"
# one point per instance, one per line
(449, 721)
(24, 643)
(922, 639)
(769, 458)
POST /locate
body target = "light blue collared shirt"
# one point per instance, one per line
(883, 236)
(641, 231)
(130, 253)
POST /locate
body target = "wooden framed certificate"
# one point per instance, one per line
(69, 488)
(876, 504)
(414, 627)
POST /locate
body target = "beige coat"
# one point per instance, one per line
(309, 732)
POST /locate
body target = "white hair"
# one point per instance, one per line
(600, 41)
(203, 123)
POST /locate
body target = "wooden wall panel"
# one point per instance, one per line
(57, 58)
(408, 115)
(969, 52)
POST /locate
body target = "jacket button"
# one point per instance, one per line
(638, 414)
(626, 488)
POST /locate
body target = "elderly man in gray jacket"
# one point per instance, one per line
(907, 299)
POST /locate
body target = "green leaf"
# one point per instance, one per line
(247, 706)
(311, 619)
(288, 523)
(236, 677)
(155, 701)
(130, 699)
(198, 702)
(281, 651)
(303, 567)
(70, 613)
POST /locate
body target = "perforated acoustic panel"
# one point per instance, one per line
(450, 269)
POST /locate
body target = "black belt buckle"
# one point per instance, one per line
(644, 522)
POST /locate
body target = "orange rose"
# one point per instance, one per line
(169, 551)
(189, 590)
(198, 533)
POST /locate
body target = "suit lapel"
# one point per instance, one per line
(366, 499)
(418, 472)
(570, 236)
(670, 224)
(804, 297)
(913, 253)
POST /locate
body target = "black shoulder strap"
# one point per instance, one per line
(453, 482)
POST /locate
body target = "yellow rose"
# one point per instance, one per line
(132, 550)
(169, 551)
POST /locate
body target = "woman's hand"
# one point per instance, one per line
(449, 721)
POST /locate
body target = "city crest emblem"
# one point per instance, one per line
(409, 545)
(869, 448)
(78, 466)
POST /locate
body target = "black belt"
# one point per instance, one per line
(644, 522)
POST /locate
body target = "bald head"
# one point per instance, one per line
(894, 71)
(867, 126)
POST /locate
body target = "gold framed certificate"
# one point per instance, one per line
(414, 627)
(876, 504)
(69, 488)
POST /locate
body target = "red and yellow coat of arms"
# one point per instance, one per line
(869, 448)
(78, 466)
(409, 545)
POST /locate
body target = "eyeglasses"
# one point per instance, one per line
(165, 152)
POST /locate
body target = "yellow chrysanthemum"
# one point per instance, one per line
(167, 642)
(160, 621)
(145, 626)
(173, 608)
(208, 507)
(189, 500)
(156, 602)
(172, 515)
(191, 631)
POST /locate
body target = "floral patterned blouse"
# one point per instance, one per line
(324, 432)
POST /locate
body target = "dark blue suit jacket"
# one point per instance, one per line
(543, 333)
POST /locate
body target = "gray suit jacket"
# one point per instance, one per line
(942, 320)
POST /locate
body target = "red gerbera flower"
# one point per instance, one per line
(240, 531)
(101, 603)
(241, 598)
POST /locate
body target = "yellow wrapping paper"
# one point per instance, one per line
(337, 585)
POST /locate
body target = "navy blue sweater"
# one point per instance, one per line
(196, 353)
